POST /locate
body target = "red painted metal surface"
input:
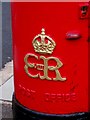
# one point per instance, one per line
(55, 97)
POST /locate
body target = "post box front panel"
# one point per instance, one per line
(51, 56)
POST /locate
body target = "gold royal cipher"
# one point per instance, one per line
(43, 44)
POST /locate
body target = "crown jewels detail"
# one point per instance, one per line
(43, 44)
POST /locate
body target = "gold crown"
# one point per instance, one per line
(43, 44)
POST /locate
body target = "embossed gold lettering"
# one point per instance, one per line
(52, 68)
(30, 65)
(44, 67)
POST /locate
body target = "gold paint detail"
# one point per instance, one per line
(41, 46)
(30, 65)
(43, 67)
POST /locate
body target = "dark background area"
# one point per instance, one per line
(6, 33)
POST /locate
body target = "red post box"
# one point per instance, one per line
(50, 44)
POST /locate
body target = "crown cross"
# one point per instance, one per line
(43, 44)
